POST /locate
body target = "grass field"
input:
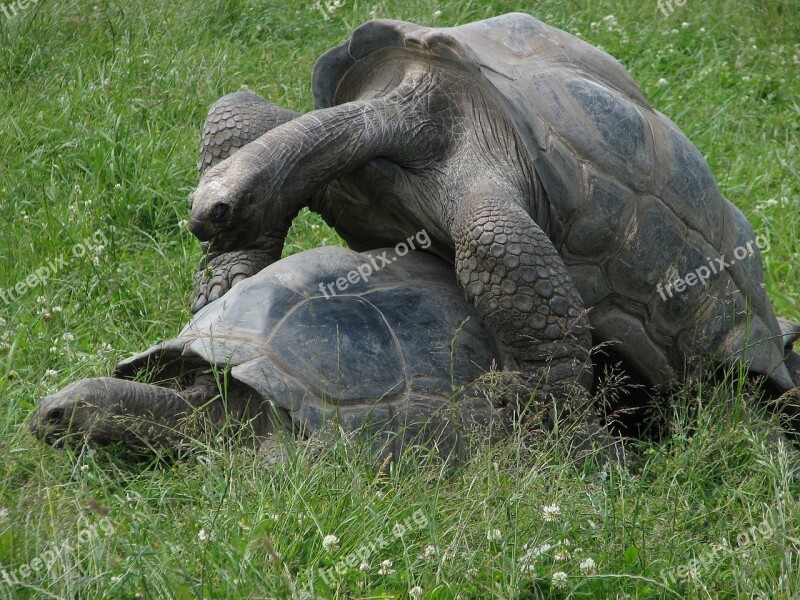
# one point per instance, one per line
(100, 115)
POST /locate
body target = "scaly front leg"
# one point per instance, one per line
(519, 284)
(233, 122)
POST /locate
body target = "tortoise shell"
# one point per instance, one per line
(387, 351)
(631, 204)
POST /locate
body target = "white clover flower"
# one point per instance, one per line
(551, 512)
(685, 25)
(58, 309)
(415, 593)
(588, 566)
(4, 512)
(526, 562)
(528, 559)
(386, 568)
(330, 543)
(437, 14)
(68, 337)
(562, 555)
(430, 552)
(662, 82)
(494, 535)
(539, 550)
(702, 30)
(183, 223)
(559, 579)
(364, 566)
(50, 373)
(203, 536)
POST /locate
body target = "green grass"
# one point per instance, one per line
(100, 115)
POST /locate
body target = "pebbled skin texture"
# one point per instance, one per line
(518, 282)
(217, 273)
(234, 121)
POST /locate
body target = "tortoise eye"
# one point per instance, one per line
(219, 212)
(55, 415)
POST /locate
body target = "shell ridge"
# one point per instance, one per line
(398, 345)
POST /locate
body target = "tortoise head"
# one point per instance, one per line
(230, 206)
(68, 414)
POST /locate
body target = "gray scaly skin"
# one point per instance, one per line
(141, 415)
(234, 121)
(507, 265)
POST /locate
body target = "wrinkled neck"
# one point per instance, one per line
(304, 155)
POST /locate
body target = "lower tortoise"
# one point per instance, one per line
(383, 358)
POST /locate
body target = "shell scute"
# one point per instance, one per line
(653, 240)
(599, 227)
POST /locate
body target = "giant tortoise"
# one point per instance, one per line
(573, 211)
(385, 357)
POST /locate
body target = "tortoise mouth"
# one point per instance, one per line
(247, 242)
(233, 237)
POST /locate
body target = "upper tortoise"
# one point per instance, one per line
(568, 205)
